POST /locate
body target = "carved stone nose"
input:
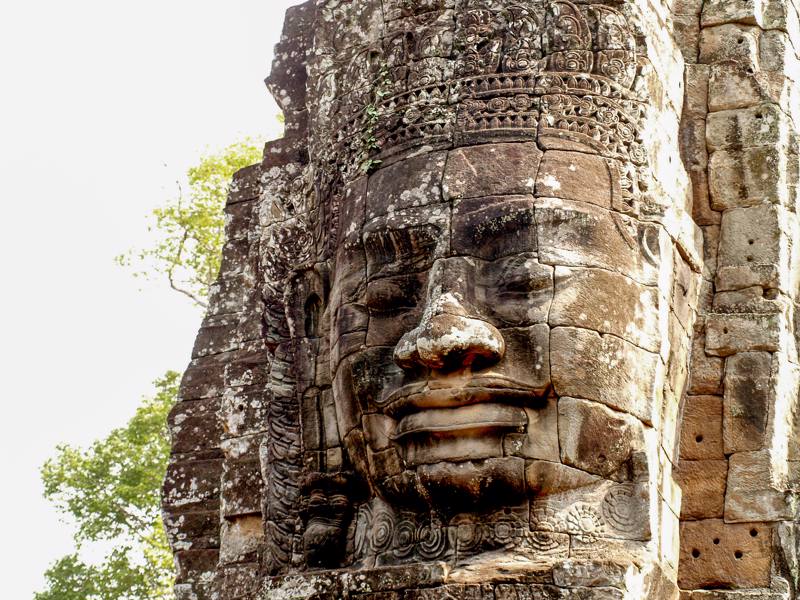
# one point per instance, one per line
(448, 337)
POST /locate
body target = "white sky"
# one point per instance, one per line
(103, 105)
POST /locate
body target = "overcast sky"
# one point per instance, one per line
(103, 106)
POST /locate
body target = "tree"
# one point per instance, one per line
(191, 229)
(112, 492)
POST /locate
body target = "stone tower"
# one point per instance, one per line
(509, 313)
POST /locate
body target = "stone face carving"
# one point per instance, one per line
(471, 288)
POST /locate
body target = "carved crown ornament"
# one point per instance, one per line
(562, 73)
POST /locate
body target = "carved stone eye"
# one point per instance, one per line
(393, 294)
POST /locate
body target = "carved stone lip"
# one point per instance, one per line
(475, 418)
(434, 394)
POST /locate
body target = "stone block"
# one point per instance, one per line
(747, 177)
(591, 573)
(528, 355)
(193, 530)
(217, 335)
(583, 235)
(241, 538)
(687, 35)
(730, 42)
(192, 485)
(421, 232)
(757, 236)
(705, 375)
(703, 484)
(579, 177)
(695, 104)
(757, 488)
(729, 334)
(492, 227)
(596, 439)
(718, 12)
(607, 302)
(491, 170)
(748, 383)
(777, 50)
(686, 289)
(242, 488)
(606, 369)
(545, 478)
(243, 411)
(606, 512)
(693, 146)
(204, 378)
(732, 86)
(701, 434)
(412, 182)
(246, 185)
(194, 426)
(540, 440)
(762, 125)
(195, 565)
(715, 554)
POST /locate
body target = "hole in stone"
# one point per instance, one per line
(602, 458)
(749, 259)
(240, 408)
(759, 116)
(725, 330)
(751, 242)
(754, 533)
(716, 541)
(699, 439)
(750, 71)
(738, 554)
(696, 553)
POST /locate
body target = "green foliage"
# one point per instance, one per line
(372, 112)
(112, 493)
(190, 230)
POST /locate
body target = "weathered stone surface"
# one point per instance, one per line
(491, 169)
(567, 230)
(757, 488)
(241, 538)
(703, 484)
(715, 554)
(545, 478)
(729, 334)
(707, 371)
(596, 439)
(577, 176)
(591, 299)
(410, 183)
(494, 227)
(605, 369)
(464, 317)
(701, 434)
(748, 380)
(754, 248)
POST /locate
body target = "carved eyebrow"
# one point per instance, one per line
(400, 250)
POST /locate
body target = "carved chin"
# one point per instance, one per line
(463, 486)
